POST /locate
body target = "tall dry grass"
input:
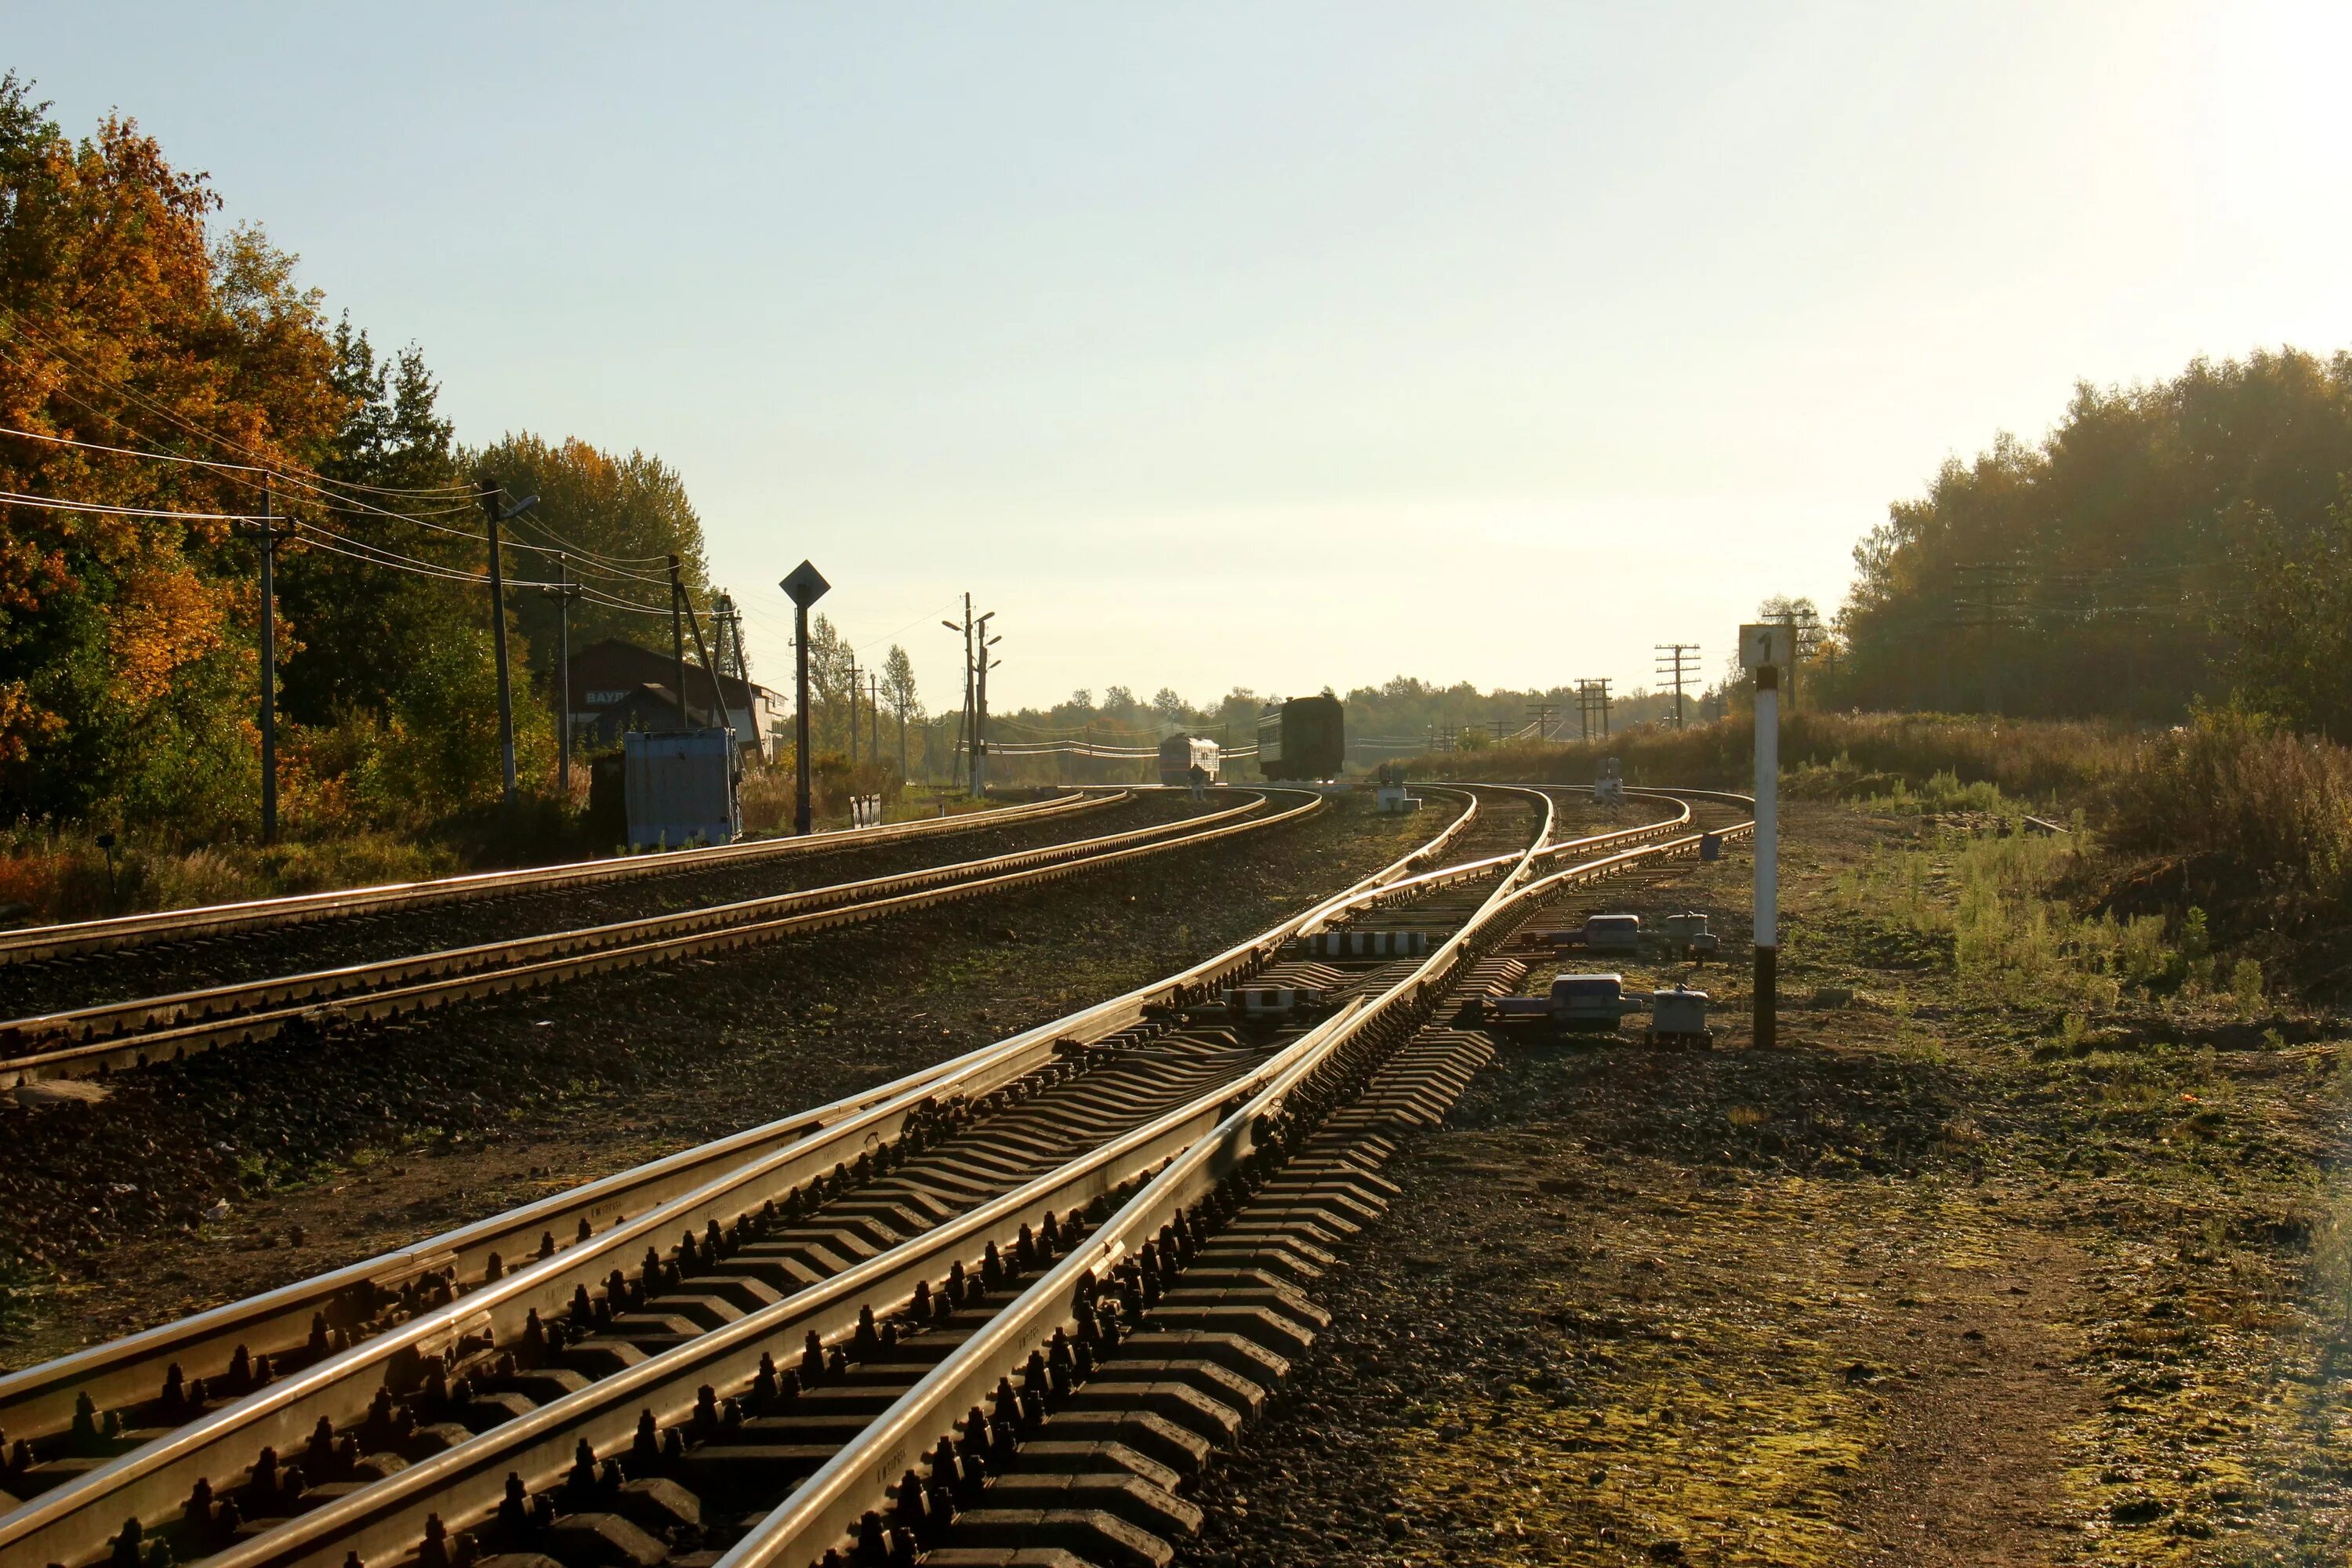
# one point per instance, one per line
(1847, 754)
(2275, 807)
(51, 873)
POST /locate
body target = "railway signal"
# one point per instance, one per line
(803, 586)
(1764, 649)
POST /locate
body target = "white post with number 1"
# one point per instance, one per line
(1768, 650)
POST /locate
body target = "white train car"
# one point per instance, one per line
(1180, 754)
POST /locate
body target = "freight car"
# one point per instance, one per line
(1305, 738)
(1180, 753)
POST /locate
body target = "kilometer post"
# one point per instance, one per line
(1764, 648)
(1767, 850)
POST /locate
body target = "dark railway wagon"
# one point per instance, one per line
(1305, 738)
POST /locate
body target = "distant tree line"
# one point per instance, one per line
(2166, 545)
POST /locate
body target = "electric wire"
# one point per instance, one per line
(361, 509)
(591, 561)
(16, 327)
(547, 530)
(103, 509)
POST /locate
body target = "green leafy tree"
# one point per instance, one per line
(2091, 573)
(2291, 634)
(898, 692)
(615, 522)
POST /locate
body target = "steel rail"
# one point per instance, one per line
(151, 1479)
(825, 1512)
(72, 1521)
(542, 1442)
(469, 1478)
(829, 1508)
(493, 968)
(39, 942)
(104, 1019)
(39, 1400)
(1471, 870)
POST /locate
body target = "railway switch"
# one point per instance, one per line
(1679, 1018)
(1604, 933)
(1687, 933)
(1574, 1002)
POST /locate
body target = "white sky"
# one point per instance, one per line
(1279, 345)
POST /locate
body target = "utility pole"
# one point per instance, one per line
(874, 718)
(677, 640)
(1804, 636)
(805, 587)
(1541, 713)
(719, 603)
(564, 590)
(1992, 607)
(727, 631)
(720, 719)
(1671, 665)
(496, 515)
(979, 706)
(971, 757)
(853, 709)
(1593, 706)
(269, 537)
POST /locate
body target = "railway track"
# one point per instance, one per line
(1057, 1270)
(508, 912)
(38, 1403)
(41, 1407)
(110, 1035)
(35, 944)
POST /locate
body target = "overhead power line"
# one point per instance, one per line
(104, 508)
(587, 561)
(16, 328)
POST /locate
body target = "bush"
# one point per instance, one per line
(2275, 807)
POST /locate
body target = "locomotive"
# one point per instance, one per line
(1305, 738)
(1180, 753)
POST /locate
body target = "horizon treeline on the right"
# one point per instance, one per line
(2166, 546)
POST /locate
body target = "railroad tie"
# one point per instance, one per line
(1098, 1486)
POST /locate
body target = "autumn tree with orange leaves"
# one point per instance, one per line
(129, 670)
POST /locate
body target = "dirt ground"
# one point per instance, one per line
(1956, 1275)
(325, 1151)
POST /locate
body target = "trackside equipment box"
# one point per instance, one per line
(681, 787)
